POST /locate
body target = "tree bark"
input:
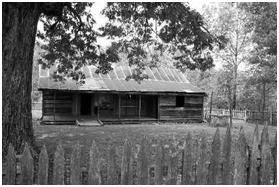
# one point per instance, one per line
(19, 32)
(263, 102)
(19, 25)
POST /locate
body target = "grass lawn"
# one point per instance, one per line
(114, 135)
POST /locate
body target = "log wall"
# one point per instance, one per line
(57, 103)
(192, 108)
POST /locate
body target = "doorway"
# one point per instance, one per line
(85, 104)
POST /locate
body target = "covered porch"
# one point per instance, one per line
(70, 107)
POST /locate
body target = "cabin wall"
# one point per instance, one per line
(191, 108)
(57, 103)
(68, 105)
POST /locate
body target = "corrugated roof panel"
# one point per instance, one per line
(183, 77)
(104, 76)
(120, 73)
(157, 74)
(149, 73)
(126, 71)
(163, 74)
(112, 84)
(168, 73)
(98, 83)
(112, 74)
(174, 73)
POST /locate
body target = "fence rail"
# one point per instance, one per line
(248, 116)
(152, 163)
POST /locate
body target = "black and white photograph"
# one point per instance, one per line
(139, 93)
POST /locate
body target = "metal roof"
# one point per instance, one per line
(160, 80)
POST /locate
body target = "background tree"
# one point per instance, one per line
(70, 41)
(228, 20)
(264, 56)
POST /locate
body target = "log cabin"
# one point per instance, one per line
(166, 95)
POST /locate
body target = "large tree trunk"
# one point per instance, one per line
(19, 31)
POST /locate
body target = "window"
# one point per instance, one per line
(179, 101)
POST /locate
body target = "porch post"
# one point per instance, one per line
(54, 105)
(139, 106)
(119, 109)
(202, 115)
(43, 104)
(158, 108)
(98, 105)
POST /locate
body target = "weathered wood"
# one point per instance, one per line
(58, 165)
(158, 107)
(27, 167)
(126, 162)
(75, 178)
(139, 112)
(241, 160)
(173, 162)
(143, 162)
(227, 164)
(275, 161)
(187, 160)
(215, 159)
(202, 167)
(94, 176)
(43, 167)
(11, 166)
(254, 159)
(159, 163)
(266, 158)
(57, 102)
(167, 100)
(112, 177)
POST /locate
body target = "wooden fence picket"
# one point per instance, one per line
(257, 166)
(126, 162)
(227, 166)
(112, 177)
(266, 158)
(241, 160)
(196, 149)
(275, 161)
(173, 162)
(143, 162)
(202, 167)
(11, 166)
(187, 161)
(159, 164)
(254, 159)
(27, 167)
(94, 176)
(215, 159)
(43, 167)
(75, 166)
(58, 167)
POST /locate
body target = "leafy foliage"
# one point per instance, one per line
(70, 42)
(166, 27)
(138, 29)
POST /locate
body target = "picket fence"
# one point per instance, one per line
(255, 164)
(246, 115)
